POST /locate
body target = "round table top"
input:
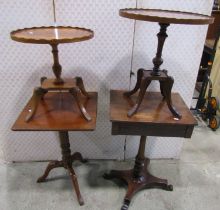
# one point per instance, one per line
(166, 16)
(52, 34)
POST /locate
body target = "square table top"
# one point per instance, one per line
(59, 112)
(153, 117)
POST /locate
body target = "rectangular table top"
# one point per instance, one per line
(153, 117)
(58, 111)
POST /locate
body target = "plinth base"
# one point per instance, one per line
(135, 184)
(139, 177)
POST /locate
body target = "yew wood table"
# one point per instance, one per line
(153, 119)
(145, 77)
(59, 112)
(53, 36)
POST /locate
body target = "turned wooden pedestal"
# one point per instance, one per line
(153, 119)
(139, 177)
(59, 112)
(145, 77)
(67, 161)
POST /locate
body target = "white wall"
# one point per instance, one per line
(104, 62)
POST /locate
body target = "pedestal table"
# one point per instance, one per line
(53, 36)
(145, 77)
(59, 112)
(153, 119)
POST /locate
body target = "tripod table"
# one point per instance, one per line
(59, 112)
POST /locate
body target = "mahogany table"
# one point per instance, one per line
(53, 36)
(145, 77)
(59, 112)
(153, 119)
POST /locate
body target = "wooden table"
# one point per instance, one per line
(59, 112)
(153, 119)
(145, 77)
(53, 36)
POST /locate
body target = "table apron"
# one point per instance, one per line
(141, 129)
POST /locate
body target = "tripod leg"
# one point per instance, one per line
(67, 161)
(144, 84)
(138, 84)
(37, 95)
(76, 93)
(76, 185)
(166, 90)
(79, 83)
(51, 165)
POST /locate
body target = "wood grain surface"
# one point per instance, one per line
(51, 35)
(59, 112)
(166, 16)
(153, 117)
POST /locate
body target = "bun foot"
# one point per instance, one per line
(125, 205)
(169, 187)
